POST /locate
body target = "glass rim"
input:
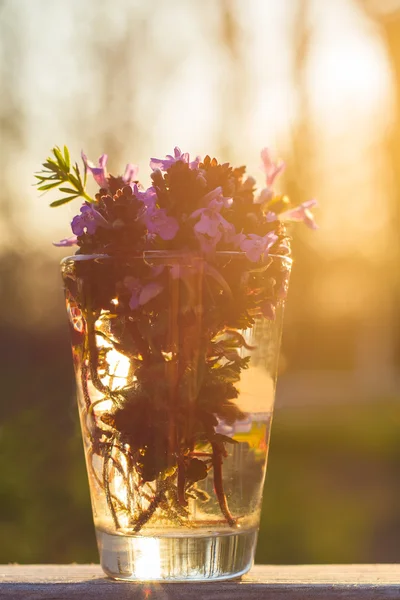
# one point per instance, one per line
(175, 255)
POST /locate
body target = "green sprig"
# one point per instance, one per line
(58, 172)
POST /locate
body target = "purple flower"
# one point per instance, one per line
(148, 197)
(270, 168)
(130, 174)
(99, 173)
(207, 244)
(265, 196)
(231, 237)
(66, 242)
(88, 221)
(212, 225)
(141, 294)
(217, 195)
(164, 165)
(157, 221)
(301, 213)
(256, 246)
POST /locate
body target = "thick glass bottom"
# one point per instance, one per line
(177, 558)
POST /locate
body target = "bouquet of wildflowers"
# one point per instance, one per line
(211, 219)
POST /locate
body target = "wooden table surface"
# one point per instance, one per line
(303, 582)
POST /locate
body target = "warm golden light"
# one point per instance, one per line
(147, 559)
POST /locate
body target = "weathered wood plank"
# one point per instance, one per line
(322, 582)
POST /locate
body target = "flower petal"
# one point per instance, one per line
(301, 213)
(131, 172)
(208, 225)
(150, 291)
(66, 242)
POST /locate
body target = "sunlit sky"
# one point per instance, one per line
(185, 94)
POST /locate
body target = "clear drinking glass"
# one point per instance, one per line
(175, 361)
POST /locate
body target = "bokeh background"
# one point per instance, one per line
(319, 82)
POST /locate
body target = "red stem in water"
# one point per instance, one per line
(218, 483)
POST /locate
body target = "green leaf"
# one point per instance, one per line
(67, 157)
(51, 165)
(76, 182)
(68, 191)
(59, 157)
(62, 201)
(48, 186)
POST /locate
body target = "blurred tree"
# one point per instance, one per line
(386, 14)
(230, 40)
(12, 116)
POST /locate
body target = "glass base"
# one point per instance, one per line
(177, 558)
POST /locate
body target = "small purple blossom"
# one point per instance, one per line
(130, 174)
(212, 225)
(88, 221)
(207, 244)
(216, 194)
(270, 168)
(165, 164)
(256, 246)
(66, 242)
(231, 237)
(99, 173)
(148, 197)
(301, 213)
(141, 293)
(157, 221)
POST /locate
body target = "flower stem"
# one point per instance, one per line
(107, 490)
(181, 482)
(218, 484)
(148, 513)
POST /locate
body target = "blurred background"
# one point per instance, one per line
(319, 82)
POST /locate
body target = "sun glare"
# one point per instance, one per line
(147, 558)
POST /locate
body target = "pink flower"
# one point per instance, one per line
(301, 213)
(141, 294)
(99, 173)
(157, 221)
(212, 225)
(256, 246)
(271, 169)
(130, 174)
(164, 165)
(88, 221)
(148, 197)
(66, 242)
(207, 244)
(231, 237)
(216, 195)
